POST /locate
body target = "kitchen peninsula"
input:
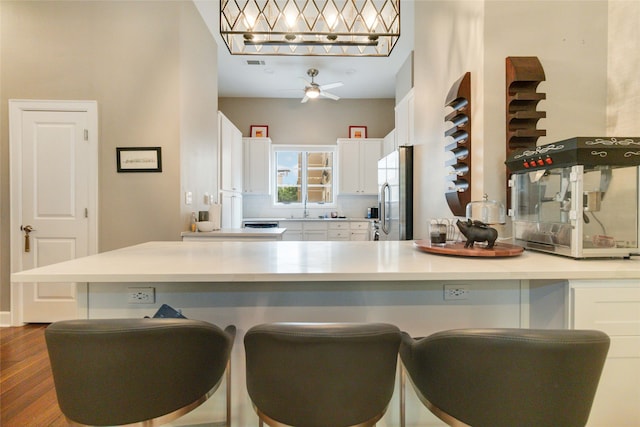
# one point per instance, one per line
(246, 283)
(235, 234)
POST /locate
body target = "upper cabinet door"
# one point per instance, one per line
(349, 158)
(370, 153)
(405, 120)
(257, 162)
(358, 165)
(230, 142)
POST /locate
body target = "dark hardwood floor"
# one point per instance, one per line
(27, 395)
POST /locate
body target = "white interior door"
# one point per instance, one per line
(57, 162)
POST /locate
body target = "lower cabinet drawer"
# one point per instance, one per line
(315, 225)
(360, 226)
(338, 225)
(292, 235)
(291, 225)
(339, 235)
(314, 235)
(359, 235)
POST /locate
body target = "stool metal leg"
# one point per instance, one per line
(228, 378)
(402, 379)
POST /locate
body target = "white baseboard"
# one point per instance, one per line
(5, 318)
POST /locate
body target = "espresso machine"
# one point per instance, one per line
(577, 197)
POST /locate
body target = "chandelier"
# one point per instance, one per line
(310, 27)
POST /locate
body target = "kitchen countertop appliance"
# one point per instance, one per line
(577, 197)
(261, 224)
(395, 197)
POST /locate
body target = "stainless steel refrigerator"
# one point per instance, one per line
(395, 195)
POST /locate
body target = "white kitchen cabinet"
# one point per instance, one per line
(339, 230)
(615, 310)
(405, 120)
(230, 143)
(315, 235)
(359, 230)
(314, 230)
(389, 143)
(338, 235)
(231, 215)
(294, 230)
(304, 230)
(331, 230)
(257, 166)
(358, 165)
(235, 235)
(349, 230)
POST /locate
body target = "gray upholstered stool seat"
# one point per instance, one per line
(321, 374)
(135, 371)
(507, 377)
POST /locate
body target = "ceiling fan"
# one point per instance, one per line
(314, 90)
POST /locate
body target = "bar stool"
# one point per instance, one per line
(506, 377)
(136, 371)
(321, 374)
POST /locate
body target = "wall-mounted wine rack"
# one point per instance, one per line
(458, 143)
(523, 75)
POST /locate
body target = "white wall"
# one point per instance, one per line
(623, 101)
(198, 113)
(449, 42)
(569, 38)
(151, 66)
(623, 96)
(318, 122)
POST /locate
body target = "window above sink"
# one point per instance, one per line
(304, 176)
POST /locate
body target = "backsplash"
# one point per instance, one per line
(348, 206)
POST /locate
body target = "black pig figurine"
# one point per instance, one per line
(477, 231)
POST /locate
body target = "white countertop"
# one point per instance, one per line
(236, 232)
(314, 261)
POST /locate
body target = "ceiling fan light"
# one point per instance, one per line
(312, 92)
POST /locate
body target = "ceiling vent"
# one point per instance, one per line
(254, 62)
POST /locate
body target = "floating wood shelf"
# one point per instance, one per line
(458, 143)
(523, 75)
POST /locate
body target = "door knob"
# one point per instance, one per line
(27, 244)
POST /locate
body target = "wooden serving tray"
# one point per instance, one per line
(458, 249)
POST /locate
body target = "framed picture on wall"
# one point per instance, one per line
(259, 131)
(357, 131)
(139, 159)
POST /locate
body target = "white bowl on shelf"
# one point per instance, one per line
(205, 226)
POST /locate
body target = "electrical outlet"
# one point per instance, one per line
(141, 295)
(453, 292)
